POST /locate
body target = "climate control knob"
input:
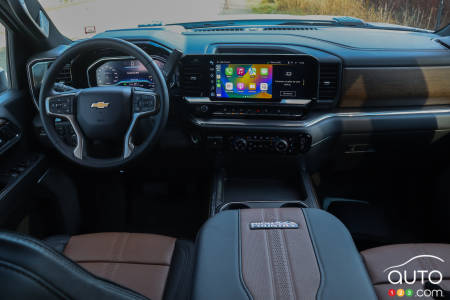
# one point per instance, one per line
(280, 145)
(239, 144)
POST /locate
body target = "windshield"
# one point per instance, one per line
(83, 18)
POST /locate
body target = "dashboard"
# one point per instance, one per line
(282, 90)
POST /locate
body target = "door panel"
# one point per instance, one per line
(20, 166)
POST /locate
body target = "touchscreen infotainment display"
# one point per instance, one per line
(244, 81)
(256, 77)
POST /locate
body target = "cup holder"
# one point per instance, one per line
(294, 204)
(262, 204)
(236, 205)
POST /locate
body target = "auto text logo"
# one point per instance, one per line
(429, 279)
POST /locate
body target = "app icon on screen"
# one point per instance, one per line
(229, 71)
(240, 71)
(229, 86)
(264, 86)
(240, 86)
(264, 71)
(252, 86)
(252, 72)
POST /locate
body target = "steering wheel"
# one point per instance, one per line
(105, 114)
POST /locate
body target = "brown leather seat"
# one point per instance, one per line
(141, 262)
(407, 258)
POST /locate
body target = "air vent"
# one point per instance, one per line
(284, 28)
(191, 78)
(65, 76)
(255, 29)
(227, 29)
(328, 82)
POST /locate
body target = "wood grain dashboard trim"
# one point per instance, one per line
(395, 86)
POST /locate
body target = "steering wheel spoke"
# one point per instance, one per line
(63, 105)
(145, 103)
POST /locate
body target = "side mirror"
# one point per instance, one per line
(3, 80)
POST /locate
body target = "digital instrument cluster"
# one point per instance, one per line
(122, 71)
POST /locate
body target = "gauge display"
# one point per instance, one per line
(125, 72)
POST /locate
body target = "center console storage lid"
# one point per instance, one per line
(280, 253)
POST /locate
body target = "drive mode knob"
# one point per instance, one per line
(239, 144)
(280, 145)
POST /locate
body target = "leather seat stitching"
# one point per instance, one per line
(124, 245)
(288, 265)
(279, 262)
(108, 267)
(115, 266)
(269, 258)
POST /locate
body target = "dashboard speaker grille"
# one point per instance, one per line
(328, 82)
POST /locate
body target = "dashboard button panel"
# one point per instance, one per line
(261, 143)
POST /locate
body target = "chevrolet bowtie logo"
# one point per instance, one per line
(100, 104)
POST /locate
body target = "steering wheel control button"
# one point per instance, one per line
(144, 102)
(61, 105)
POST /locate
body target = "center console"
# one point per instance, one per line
(239, 89)
(278, 253)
